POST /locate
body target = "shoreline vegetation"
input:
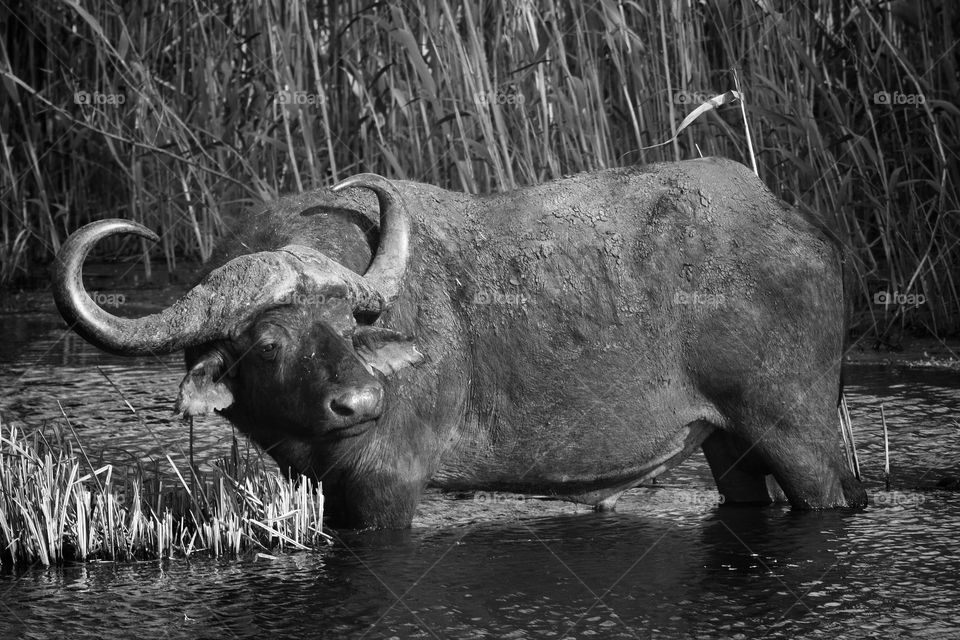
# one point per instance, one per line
(56, 507)
(180, 115)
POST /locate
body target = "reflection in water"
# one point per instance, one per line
(667, 564)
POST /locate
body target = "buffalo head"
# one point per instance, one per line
(272, 338)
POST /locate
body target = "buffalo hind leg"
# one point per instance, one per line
(800, 445)
(740, 476)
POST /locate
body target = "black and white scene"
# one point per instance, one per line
(460, 319)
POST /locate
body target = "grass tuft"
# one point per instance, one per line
(54, 508)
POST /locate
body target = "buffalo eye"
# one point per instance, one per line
(268, 350)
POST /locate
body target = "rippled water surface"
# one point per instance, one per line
(668, 563)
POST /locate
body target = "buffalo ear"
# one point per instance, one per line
(385, 350)
(204, 389)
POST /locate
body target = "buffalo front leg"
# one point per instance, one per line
(741, 478)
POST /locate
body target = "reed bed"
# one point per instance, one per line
(55, 508)
(184, 112)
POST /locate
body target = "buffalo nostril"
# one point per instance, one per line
(356, 404)
(341, 408)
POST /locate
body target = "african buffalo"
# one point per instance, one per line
(572, 338)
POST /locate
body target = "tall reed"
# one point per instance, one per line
(178, 114)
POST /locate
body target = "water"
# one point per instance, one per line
(667, 564)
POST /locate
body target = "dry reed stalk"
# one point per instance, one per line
(482, 96)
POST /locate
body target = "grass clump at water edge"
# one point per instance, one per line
(54, 508)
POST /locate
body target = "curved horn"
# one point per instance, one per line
(389, 265)
(214, 308)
